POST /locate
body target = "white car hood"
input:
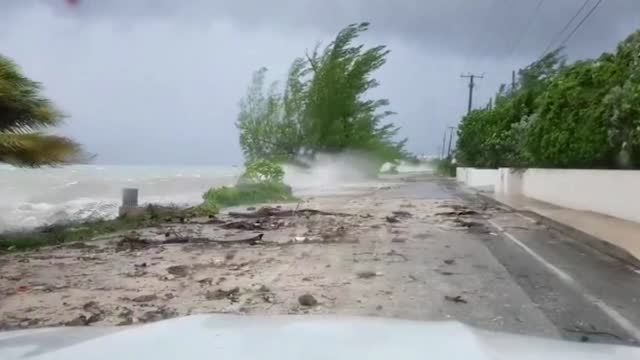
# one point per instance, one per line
(293, 338)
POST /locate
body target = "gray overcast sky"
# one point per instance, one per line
(158, 81)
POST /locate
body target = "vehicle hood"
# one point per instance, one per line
(293, 338)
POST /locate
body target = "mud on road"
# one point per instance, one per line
(364, 255)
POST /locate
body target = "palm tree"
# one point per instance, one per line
(24, 114)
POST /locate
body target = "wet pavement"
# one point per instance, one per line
(420, 249)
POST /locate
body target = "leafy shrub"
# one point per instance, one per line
(445, 167)
(260, 183)
(247, 193)
(582, 115)
(263, 171)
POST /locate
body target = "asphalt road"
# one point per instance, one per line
(584, 295)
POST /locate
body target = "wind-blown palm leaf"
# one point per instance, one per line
(24, 111)
(35, 149)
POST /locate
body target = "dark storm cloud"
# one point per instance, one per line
(158, 81)
(466, 27)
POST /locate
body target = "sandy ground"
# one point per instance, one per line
(379, 255)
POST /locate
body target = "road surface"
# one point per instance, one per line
(421, 249)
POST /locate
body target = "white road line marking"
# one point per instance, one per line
(529, 219)
(611, 312)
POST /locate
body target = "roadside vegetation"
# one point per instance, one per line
(24, 116)
(262, 182)
(580, 115)
(324, 106)
(445, 167)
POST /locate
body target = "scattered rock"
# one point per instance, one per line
(178, 270)
(445, 273)
(169, 296)
(455, 299)
(402, 214)
(392, 219)
(457, 213)
(92, 307)
(307, 300)
(267, 297)
(251, 208)
(205, 281)
(230, 255)
(379, 307)
(144, 298)
(160, 313)
(141, 265)
(244, 225)
(81, 320)
(449, 261)
(398, 240)
(264, 288)
(366, 274)
(219, 294)
(132, 242)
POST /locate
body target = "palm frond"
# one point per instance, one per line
(36, 149)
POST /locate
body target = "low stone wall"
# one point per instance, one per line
(477, 177)
(610, 192)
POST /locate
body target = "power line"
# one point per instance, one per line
(566, 26)
(575, 29)
(525, 29)
(472, 84)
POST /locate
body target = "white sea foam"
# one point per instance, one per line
(35, 197)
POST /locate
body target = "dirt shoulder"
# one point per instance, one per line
(349, 255)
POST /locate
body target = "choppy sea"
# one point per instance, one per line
(35, 197)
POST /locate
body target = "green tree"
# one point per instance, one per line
(498, 136)
(24, 114)
(571, 129)
(324, 107)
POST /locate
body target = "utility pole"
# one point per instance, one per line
(513, 81)
(451, 128)
(472, 84)
(444, 140)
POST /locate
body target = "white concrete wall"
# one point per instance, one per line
(477, 177)
(461, 174)
(611, 192)
(509, 181)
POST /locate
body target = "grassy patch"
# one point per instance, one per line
(242, 194)
(88, 230)
(64, 233)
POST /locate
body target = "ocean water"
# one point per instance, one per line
(35, 197)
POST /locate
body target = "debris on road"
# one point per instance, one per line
(144, 298)
(401, 214)
(367, 274)
(307, 300)
(219, 294)
(178, 270)
(455, 299)
(392, 219)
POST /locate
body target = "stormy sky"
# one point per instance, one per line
(158, 81)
